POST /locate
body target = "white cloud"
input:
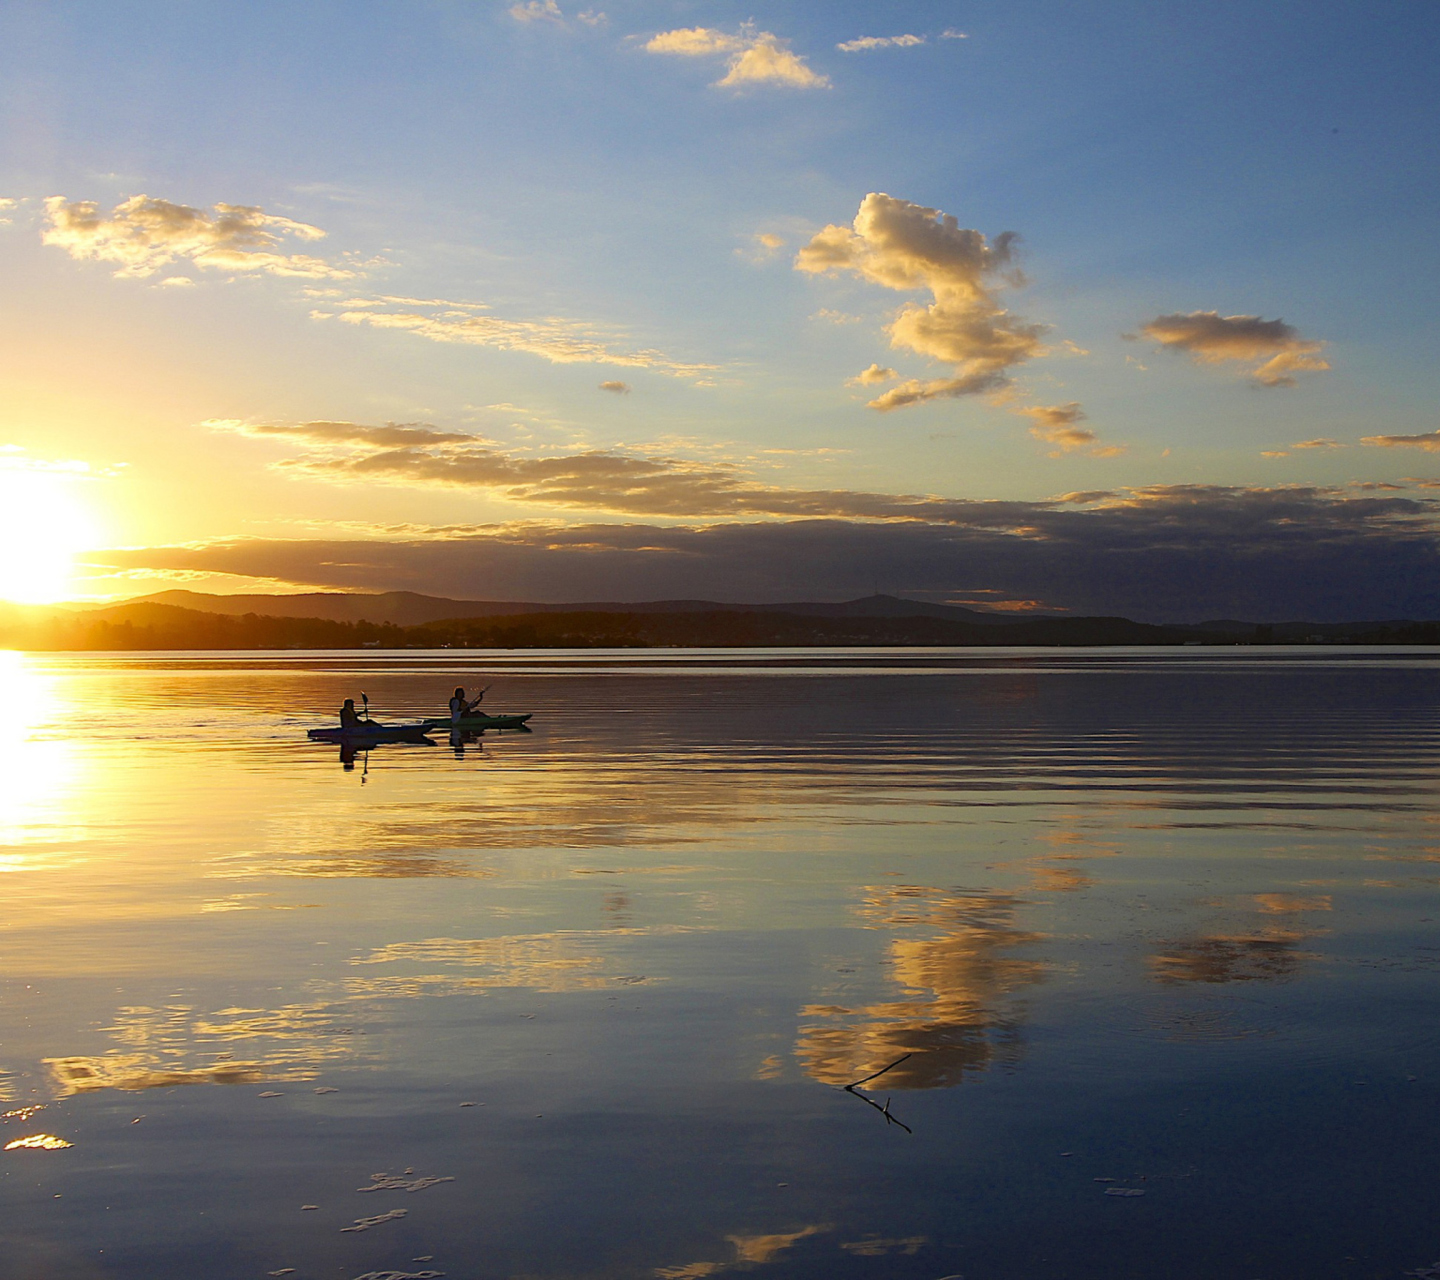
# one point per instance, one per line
(905, 247)
(557, 340)
(1274, 348)
(755, 57)
(144, 233)
(865, 43)
(951, 34)
(537, 11)
(694, 42)
(542, 11)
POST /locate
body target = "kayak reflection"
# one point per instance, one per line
(353, 746)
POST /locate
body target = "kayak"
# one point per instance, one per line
(470, 724)
(371, 733)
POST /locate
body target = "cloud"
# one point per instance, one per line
(619, 388)
(908, 247)
(950, 33)
(557, 340)
(1319, 443)
(1162, 552)
(144, 233)
(865, 43)
(835, 317)
(530, 11)
(871, 376)
(392, 435)
(1427, 440)
(755, 57)
(1274, 348)
(537, 11)
(413, 455)
(1058, 424)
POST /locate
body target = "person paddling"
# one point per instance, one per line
(459, 708)
(349, 717)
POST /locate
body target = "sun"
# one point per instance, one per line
(44, 523)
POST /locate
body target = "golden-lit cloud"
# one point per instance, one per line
(1429, 441)
(616, 387)
(1274, 349)
(1058, 424)
(866, 43)
(872, 376)
(144, 233)
(420, 456)
(392, 435)
(558, 340)
(755, 57)
(907, 247)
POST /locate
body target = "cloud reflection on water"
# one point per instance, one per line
(958, 1015)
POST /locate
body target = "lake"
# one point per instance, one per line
(1148, 940)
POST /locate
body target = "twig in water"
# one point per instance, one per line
(854, 1083)
(870, 1102)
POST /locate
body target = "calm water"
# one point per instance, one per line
(1159, 921)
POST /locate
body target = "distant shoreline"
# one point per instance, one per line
(158, 627)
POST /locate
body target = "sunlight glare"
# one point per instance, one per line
(43, 525)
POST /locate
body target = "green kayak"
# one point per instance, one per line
(474, 724)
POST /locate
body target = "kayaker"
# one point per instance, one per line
(349, 717)
(459, 708)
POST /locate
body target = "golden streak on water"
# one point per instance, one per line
(38, 1142)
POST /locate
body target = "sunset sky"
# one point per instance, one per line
(1105, 307)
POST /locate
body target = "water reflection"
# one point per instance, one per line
(1268, 953)
(619, 915)
(749, 1251)
(543, 962)
(162, 1048)
(958, 1014)
(41, 766)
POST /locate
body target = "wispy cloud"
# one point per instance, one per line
(1059, 424)
(754, 57)
(537, 11)
(558, 340)
(1426, 440)
(866, 43)
(548, 11)
(1274, 349)
(414, 455)
(144, 233)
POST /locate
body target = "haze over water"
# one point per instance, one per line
(1159, 921)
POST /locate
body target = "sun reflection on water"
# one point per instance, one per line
(40, 771)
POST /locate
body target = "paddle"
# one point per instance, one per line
(365, 698)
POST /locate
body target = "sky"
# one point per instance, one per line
(1089, 307)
